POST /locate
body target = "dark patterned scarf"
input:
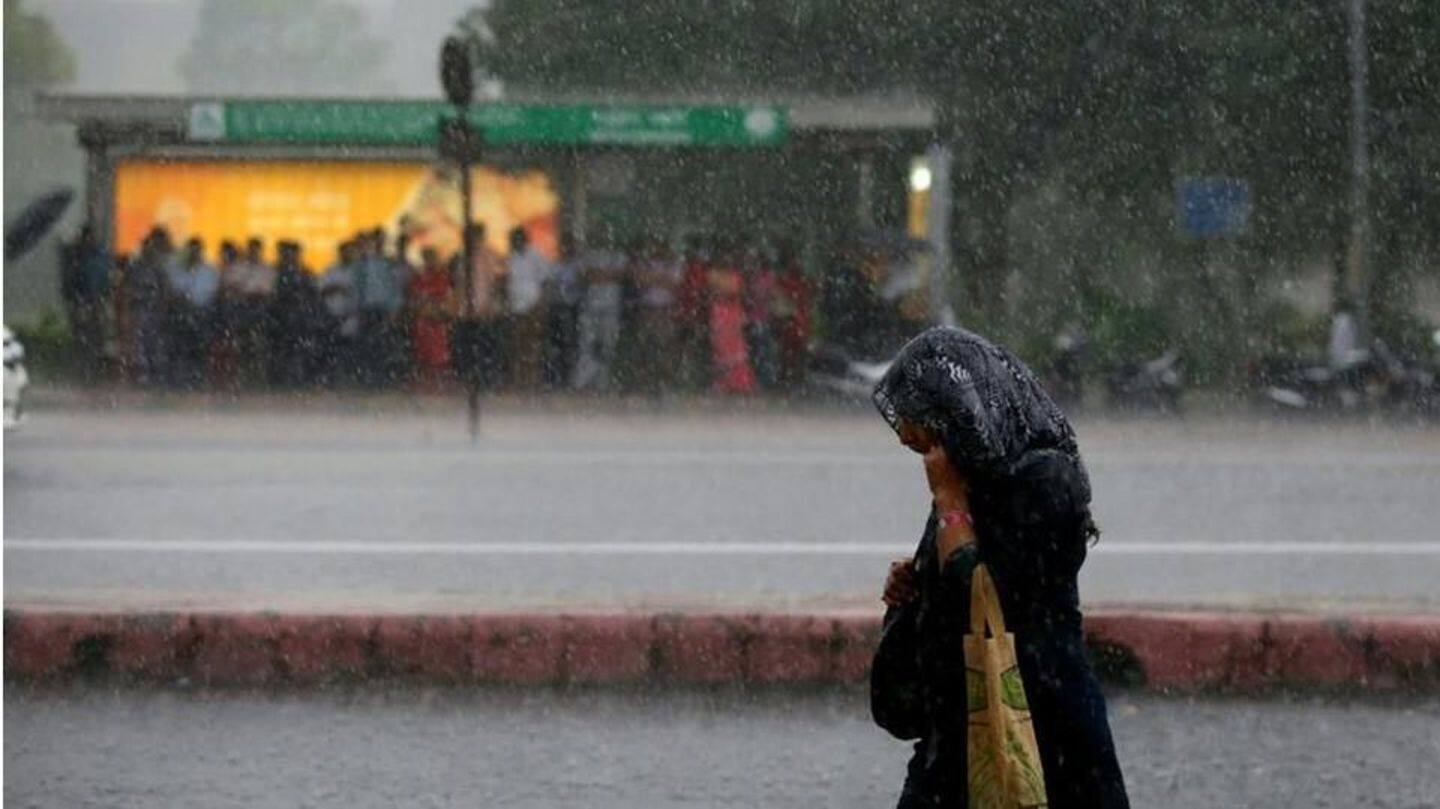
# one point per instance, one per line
(985, 405)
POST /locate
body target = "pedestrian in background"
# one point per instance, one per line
(144, 291)
(431, 300)
(381, 299)
(526, 274)
(563, 293)
(603, 269)
(729, 349)
(761, 289)
(692, 316)
(477, 345)
(341, 304)
(254, 290)
(659, 277)
(85, 270)
(296, 314)
(225, 349)
(193, 288)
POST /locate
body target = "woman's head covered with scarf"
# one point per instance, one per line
(982, 403)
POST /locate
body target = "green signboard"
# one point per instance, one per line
(408, 123)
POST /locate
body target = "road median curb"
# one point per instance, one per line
(1171, 651)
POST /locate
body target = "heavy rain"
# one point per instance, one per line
(550, 403)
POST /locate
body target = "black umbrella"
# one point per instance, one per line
(26, 230)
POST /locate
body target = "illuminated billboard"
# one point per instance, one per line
(322, 203)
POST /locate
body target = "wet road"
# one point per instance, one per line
(144, 749)
(244, 506)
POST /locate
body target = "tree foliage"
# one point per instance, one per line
(1105, 103)
(283, 47)
(35, 55)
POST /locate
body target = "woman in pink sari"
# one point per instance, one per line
(733, 373)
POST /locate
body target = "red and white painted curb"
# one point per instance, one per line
(1178, 651)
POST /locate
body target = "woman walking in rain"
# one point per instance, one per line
(1010, 492)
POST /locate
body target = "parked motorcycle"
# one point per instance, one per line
(1156, 384)
(1378, 381)
(834, 371)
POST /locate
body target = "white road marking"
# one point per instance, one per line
(381, 548)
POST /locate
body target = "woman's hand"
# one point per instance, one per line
(900, 586)
(952, 494)
(947, 485)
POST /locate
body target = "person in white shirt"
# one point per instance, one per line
(526, 275)
(603, 268)
(193, 287)
(250, 293)
(342, 303)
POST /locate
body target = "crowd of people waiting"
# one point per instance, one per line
(720, 315)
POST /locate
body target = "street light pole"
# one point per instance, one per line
(460, 142)
(467, 253)
(1358, 258)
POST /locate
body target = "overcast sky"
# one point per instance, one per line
(133, 46)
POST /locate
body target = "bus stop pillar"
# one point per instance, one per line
(940, 160)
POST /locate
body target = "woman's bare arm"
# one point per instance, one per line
(951, 493)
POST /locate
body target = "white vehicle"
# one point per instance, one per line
(15, 378)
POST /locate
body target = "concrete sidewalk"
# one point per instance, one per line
(1163, 650)
(376, 748)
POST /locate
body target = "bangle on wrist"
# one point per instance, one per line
(955, 516)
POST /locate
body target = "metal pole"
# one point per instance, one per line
(865, 194)
(467, 253)
(1359, 253)
(940, 160)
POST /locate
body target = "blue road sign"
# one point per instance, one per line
(1212, 207)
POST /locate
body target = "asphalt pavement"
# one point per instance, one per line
(274, 506)
(605, 749)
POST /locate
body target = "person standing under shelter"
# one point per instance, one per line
(527, 273)
(563, 293)
(603, 269)
(692, 316)
(228, 325)
(250, 295)
(381, 298)
(477, 345)
(143, 293)
(761, 290)
(84, 286)
(660, 275)
(729, 348)
(431, 298)
(194, 288)
(295, 315)
(337, 295)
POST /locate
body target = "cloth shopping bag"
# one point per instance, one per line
(1004, 761)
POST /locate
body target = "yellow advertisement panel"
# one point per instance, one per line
(323, 203)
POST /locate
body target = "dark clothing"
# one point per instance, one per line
(144, 287)
(1032, 538)
(84, 286)
(294, 313)
(477, 356)
(562, 338)
(985, 405)
(1030, 501)
(189, 331)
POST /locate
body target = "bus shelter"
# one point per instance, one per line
(810, 170)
